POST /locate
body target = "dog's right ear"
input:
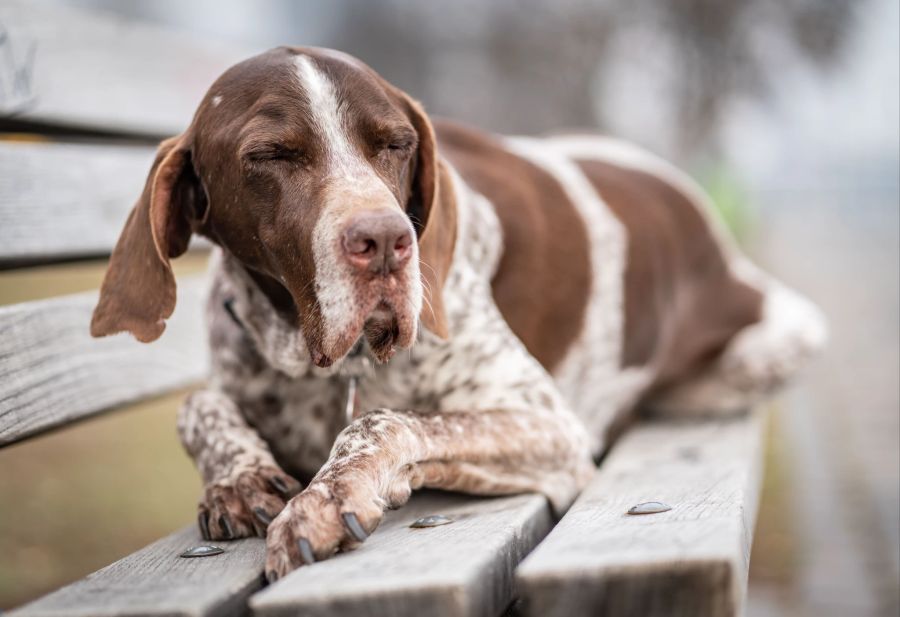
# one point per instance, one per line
(138, 291)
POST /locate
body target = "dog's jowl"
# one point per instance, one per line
(498, 303)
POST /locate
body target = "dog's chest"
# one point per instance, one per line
(296, 416)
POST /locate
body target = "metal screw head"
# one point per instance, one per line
(205, 550)
(650, 507)
(435, 520)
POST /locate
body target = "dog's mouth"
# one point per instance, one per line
(382, 330)
(386, 327)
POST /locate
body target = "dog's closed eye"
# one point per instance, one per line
(274, 152)
(393, 142)
(399, 144)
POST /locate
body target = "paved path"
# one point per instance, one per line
(839, 430)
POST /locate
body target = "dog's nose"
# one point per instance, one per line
(378, 241)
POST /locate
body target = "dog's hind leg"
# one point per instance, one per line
(756, 362)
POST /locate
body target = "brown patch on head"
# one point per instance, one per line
(543, 281)
(260, 166)
(682, 303)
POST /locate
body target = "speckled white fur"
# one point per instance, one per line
(475, 412)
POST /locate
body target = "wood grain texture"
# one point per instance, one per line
(461, 569)
(156, 582)
(688, 562)
(70, 66)
(52, 372)
(66, 200)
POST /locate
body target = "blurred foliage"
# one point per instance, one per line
(730, 199)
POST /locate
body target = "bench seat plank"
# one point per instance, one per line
(52, 372)
(59, 201)
(155, 581)
(690, 561)
(461, 569)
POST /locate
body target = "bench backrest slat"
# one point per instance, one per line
(71, 67)
(52, 372)
(59, 201)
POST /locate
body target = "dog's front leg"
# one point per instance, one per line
(382, 456)
(244, 488)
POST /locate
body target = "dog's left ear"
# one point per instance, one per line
(138, 291)
(432, 205)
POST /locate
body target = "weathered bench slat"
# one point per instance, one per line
(58, 68)
(691, 561)
(461, 569)
(52, 372)
(66, 200)
(155, 581)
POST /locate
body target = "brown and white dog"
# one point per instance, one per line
(540, 289)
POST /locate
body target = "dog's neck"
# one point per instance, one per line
(270, 320)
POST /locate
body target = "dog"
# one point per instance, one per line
(398, 302)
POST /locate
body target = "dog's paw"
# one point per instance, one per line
(317, 523)
(245, 504)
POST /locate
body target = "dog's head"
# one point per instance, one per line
(323, 180)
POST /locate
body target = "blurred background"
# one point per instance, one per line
(786, 110)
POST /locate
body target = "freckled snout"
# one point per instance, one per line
(377, 241)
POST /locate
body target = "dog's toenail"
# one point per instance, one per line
(225, 524)
(262, 516)
(279, 485)
(306, 553)
(354, 526)
(203, 522)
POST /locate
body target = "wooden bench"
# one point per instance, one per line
(65, 189)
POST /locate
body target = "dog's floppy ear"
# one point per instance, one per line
(432, 205)
(138, 291)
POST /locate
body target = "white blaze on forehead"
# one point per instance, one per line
(352, 183)
(325, 110)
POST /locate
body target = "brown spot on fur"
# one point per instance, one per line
(682, 303)
(543, 281)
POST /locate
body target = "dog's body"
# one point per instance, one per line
(565, 280)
